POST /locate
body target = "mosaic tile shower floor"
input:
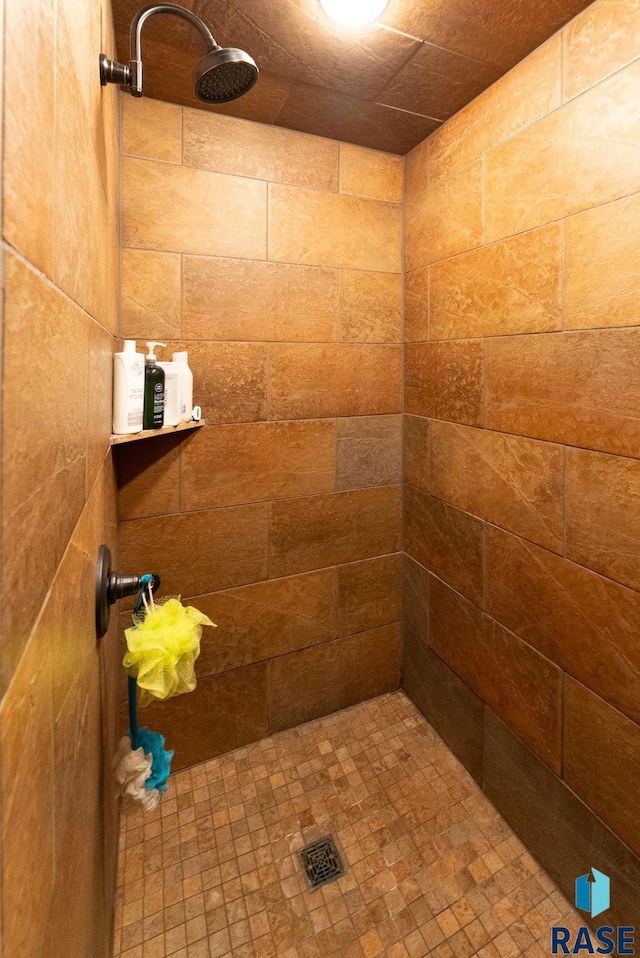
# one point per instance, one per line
(432, 868)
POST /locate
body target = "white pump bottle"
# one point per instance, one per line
(178, 389)
(181, 359)
(128, 389)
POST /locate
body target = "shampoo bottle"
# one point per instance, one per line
(171, 393)
(128, 389)
(181, 360)
(153, 390)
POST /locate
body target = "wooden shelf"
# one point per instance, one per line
(150, 433)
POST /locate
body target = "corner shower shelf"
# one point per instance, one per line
(150, 433)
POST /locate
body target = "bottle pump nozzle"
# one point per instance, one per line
(151, 346)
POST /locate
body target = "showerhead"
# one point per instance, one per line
(224, 74)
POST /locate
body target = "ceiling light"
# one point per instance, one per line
(354, 13)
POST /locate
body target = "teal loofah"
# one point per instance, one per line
(152, 743)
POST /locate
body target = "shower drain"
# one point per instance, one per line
(321, 862)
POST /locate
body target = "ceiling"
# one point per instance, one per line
(387, 87)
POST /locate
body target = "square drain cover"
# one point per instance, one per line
(321, 862)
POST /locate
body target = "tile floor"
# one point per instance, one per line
(432, 868)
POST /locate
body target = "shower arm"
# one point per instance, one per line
(130, 75)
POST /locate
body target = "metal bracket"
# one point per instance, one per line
(110, 586)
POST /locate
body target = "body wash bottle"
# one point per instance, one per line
(128, 389)
(153, 390)
(181, 360)
(171, 393)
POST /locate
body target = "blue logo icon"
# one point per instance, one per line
(593, 892)
(593, 895)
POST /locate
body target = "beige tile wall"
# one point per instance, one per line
(522, 389)
(275, 258)
(60, 264)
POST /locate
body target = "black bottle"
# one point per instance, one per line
(153, 417)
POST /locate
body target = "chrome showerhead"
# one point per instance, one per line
(223, 74)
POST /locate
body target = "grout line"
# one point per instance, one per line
(268, 530)
(483, 200)
(403, 367)
(299, 575)
(182, 266)
(565, 455)
(180, 475)
(273, 126)
(268, 373)
(262, 502)
(336, 453)
(493, 621)
(484, 566)
(563, 690)
(254, 259)
(429, 451)
(529, 542)
(268, 678)
(212, 424)
(429, 280)
(142, 336)
(415, 415)
(252, 178)
(260, 262)
(485, 381)
(563, 274)
(267, 222)
(336, 598)
(561, 36)
(44, 278)
(538, 227)
(517, 435)
(120, 226)
(528, 126)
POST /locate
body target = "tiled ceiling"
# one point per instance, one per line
(387, 87)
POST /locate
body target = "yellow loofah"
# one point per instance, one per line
(163, 646)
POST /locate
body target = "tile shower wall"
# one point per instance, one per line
(522, 447)
(275, 258)
(60, 690)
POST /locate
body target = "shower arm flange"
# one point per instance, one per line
(111, 586)
(113, 72)
(130, 76)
